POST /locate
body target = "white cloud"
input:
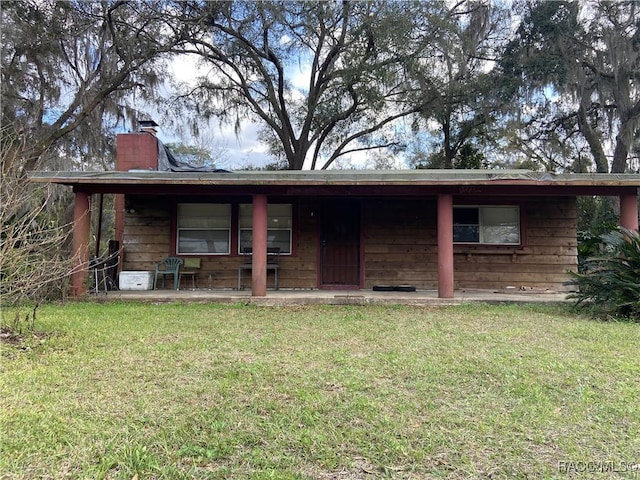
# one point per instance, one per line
(244, 149)
(230, 151)
(300, 76)
(186, 68)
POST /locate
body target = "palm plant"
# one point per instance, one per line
(610, 283)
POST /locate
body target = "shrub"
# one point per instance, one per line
(610, 283)
(34, 260)
(596, 216)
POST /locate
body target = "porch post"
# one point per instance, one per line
(629, 212)
(81, 229)
(445, 246)
(119, 220)
(259, 247)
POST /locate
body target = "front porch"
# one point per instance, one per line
(334, 297)
(443, 232)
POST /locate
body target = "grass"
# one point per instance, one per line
(178, 391)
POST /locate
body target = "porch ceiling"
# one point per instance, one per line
(347, 182)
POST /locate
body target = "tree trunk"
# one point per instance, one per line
(448, 151)
(623, 143)
(590, 135)
(296, 162)
(620, 155)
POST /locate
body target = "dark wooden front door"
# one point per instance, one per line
(340, 244)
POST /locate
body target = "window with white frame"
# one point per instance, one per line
(278, 227)
(203, 228)
(493, 225)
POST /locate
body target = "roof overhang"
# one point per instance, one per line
(346, 182)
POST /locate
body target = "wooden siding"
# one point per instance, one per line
(147, 232)
(400, 243)
(147, 240)
(300, 271)
(399, 246)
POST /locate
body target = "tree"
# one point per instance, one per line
(457, 76)
(33, 266)
(543, 137)
(352, 56)
(69, 70)
(588, 53)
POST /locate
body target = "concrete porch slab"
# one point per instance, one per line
(333, 297)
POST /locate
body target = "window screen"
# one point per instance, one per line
(203, 228)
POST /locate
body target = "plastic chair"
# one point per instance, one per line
(168, 266)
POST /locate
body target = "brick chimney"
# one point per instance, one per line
(134, 151)
(138, 151)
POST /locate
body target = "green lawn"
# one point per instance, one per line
(327, 392)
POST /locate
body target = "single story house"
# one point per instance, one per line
(430, 229)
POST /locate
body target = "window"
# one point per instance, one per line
(278, 227)
(486, 225)
(204, 228)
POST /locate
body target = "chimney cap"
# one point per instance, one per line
(147, 123)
